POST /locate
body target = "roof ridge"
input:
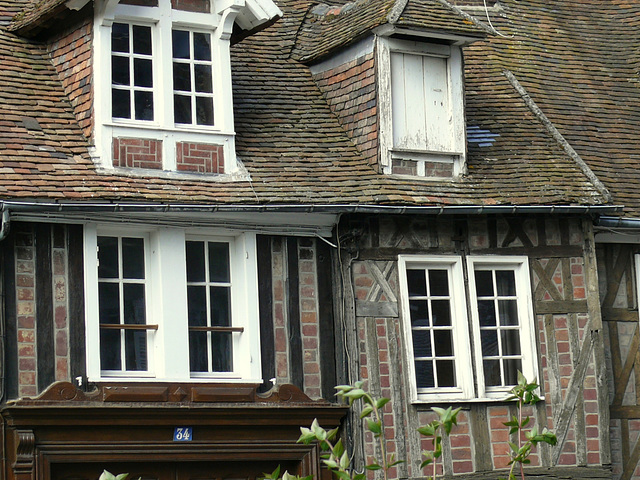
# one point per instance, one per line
(470, 18)
(557, 136)
(396, 10)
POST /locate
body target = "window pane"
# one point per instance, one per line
(506, 283)
(108, 257)
(195, 262)
(508, 312)
(421, 343)
(218, 262)
(120, 37)
(134, 305)
(491, 373)
(221, 351)
(203, 78)
(417, 283)
(510, 342)
(144, 105)
(198, 352)
(424, 374)
(182, 109)
(419, 313)
(136, 350)
(484, 283)
(204, 110)
(133, 258)
(443, 342)
(202, 46)
(487, 313)
(181, 77)
(220, 306)
(446, 373)
(110, 350)
(511, 368)
(109, 302)
(441, 312)
(197, 305)
(180, 44)
(141, 40)
(142, 73)
(438, 283)
(120, 103)
(120, 74)
(489, 340)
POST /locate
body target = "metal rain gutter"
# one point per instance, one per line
(618, 222)
(81, 207)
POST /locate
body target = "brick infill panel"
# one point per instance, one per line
(137, 153)
(199, 157)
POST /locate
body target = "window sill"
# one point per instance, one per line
(238, 176)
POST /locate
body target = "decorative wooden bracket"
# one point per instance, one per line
(23, 467)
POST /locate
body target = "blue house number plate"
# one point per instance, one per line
(182, 434)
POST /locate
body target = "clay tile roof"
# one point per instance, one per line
(293, 145)
(328, 27)
(579, 61)
(36, 12)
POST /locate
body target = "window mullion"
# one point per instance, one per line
(123, 356)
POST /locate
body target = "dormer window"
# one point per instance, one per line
(163, 99)
(422, 117)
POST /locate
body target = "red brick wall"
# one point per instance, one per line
(71, 55)
(350, 90)
(26, 310)
(137, 153)
(199, 157)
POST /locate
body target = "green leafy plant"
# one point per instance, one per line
(525, 394)
(434, 431)
(110, 476)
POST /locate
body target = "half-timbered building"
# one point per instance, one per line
(214, 211)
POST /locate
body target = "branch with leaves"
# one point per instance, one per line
(525, 393)
(434, 430)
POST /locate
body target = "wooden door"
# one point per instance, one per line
(172, 470)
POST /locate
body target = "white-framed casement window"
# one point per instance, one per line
(452, 356)
(171, 305)
(422, 126)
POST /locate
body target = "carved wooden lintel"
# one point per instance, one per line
(183, 393)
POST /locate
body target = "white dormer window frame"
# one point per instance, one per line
(216, 125)
(431, 140)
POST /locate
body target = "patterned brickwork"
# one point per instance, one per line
(26, 311)
(202, 6)
(72, 57)
(137, 153)
(309, 318)
(199, 157)
(351, 93)
(60, 306)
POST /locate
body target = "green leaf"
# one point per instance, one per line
(525, 422)
(427, 430)
(366, 411)
(396, 462)
(122, 476)
(382, 402)
(355, 394)
(428, 461)
(374, 427)
(107, 476)
(373, 466)
(330, 463)
(331, 434)
(343, 475)
(359, 476)
(344, 461)
(338, 448)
